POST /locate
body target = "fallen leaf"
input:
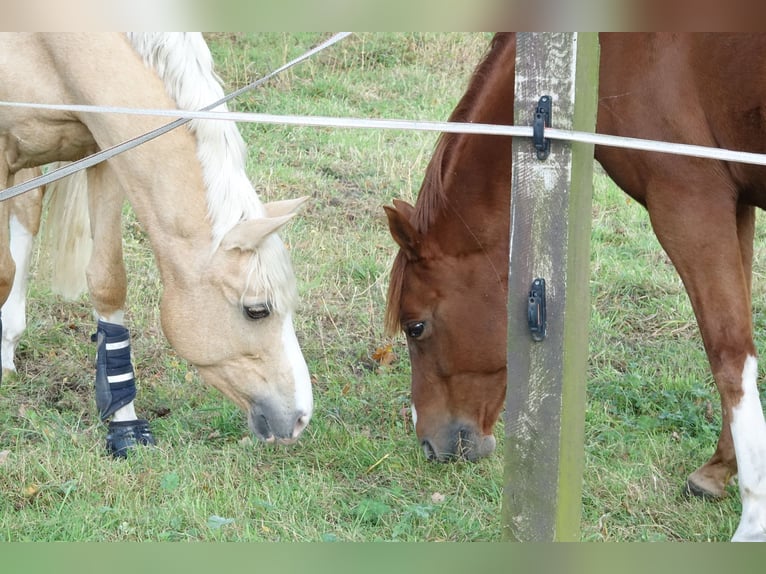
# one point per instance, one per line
(31, 490)
(437, 497)
(384, 355)
(4, 456)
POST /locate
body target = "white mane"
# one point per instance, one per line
(185, 65)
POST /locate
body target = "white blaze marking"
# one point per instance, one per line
(414, 415)
(304, 399)
(748, 430)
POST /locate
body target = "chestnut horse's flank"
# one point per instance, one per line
(448, 284)
(228, 287)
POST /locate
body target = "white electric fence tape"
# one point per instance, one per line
(184, 116)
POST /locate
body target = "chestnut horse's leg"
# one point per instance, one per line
(709, 239)
(107, 284)
(711, 478)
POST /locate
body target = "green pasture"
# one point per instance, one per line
(357, 474)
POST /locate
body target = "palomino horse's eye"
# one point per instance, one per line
(260, 311)
(415, 330)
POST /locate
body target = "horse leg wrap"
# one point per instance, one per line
(116, 387)
(115, 382)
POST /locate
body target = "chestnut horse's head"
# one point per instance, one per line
(447, 305)
(449, 281)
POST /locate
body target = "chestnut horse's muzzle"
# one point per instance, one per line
(457, 443)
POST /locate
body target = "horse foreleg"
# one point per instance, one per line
(748, 416)
(711, 247)
(107, 284)
(7, 266)
(7, 273)
(711, 479)
(24, 213)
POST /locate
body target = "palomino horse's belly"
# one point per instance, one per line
(34, 141)
(30, 137)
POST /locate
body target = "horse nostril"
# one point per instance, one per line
(300, 424)
(259, 424)
(429, 450)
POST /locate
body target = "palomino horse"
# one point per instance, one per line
(449, 280)
(229, 292)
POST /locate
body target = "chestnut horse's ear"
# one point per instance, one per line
(403, 232)
(247, 235)
(405, 209)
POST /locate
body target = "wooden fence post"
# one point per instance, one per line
(550, 239)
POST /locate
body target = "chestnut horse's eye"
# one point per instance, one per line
(259, 311)
(415, 330)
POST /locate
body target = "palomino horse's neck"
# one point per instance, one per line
(165, 189)
(185, 65)
(467, 176)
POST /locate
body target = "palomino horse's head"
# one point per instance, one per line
(446, 304)
(236, 327)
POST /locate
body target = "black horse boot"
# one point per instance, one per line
(116, 387)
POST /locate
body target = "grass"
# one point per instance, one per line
(357, 474)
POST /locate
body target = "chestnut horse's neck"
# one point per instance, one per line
(468, 177)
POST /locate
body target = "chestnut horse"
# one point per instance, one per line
(229, 292)
(449, 280)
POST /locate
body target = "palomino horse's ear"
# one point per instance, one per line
(402, 230)
(284, 207)
(247, 235)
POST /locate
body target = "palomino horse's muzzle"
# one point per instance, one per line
(273, 425)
